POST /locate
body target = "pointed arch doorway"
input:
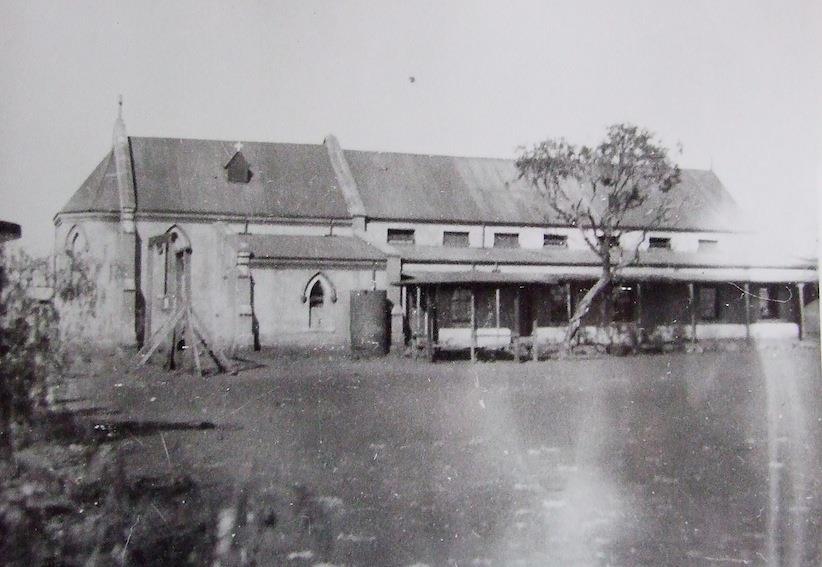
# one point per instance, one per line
(170, 274)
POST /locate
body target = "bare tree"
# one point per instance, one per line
(619, 186)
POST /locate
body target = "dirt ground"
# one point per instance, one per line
(647, 460)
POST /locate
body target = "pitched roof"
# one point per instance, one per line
(474, 190)
(173, 175)
(290, 247)
(98, 193)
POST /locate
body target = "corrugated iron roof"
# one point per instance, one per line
(175, 175)
(98, 193)
(565, 257)
(291, 247)
(539, 256)
(475, 190)
(474, 276)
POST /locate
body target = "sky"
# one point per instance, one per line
(737, 83)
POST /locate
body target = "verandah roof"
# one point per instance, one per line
(471, 277)
(475, 277)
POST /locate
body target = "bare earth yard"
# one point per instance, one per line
(649, 460)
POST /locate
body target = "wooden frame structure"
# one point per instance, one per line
(424, 317)
(182, 322)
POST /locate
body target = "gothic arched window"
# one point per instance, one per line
(316, 306)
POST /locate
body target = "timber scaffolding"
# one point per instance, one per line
(513, 320)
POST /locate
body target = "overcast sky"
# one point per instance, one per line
(736, 82)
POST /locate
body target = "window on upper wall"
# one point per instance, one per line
(454, 239)
(706, 245)
(708, 303)
(506, 240)
(555, 241)
(400, 236)
(659, 243)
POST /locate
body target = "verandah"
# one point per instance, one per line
(522, 312)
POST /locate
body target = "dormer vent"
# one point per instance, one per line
(237, 168)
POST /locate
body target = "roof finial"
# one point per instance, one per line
(120, 106)
(238, 146)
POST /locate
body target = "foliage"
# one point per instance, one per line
(618, 187)
(31, 349)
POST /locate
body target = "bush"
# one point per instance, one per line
(31, 350)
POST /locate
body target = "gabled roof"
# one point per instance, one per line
(98, 193)
(173, 176)
(475, 190)
(290, 247)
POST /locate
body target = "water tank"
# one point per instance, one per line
(370, 322)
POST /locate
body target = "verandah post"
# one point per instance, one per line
(747, 311)
(418, 320)
(693, 308)
(496, 308)
(800, 296)
(429, 323)
(638, 315)
(515, 330)
(534, 342)
(473, 327)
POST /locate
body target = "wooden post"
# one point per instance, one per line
(418, 321)
(800, 296)
(534, 343)
(496, 308)
(693, 310)
(425, 314)
(191, 341)
(473, 327)
(515, 330)
(747, 311)
(639, 304)
(638, 317)
(429, 326)
(568, 304)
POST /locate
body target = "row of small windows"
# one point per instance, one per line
(460, 239)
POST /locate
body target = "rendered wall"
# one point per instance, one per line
(283, 317)
(100, 321)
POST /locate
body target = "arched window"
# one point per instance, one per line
(316, 306)
(76, 243)
(319, 294)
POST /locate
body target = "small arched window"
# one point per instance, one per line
(75, 242)
(316, 306)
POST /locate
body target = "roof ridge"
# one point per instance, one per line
(220, 141)
(362, 151)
